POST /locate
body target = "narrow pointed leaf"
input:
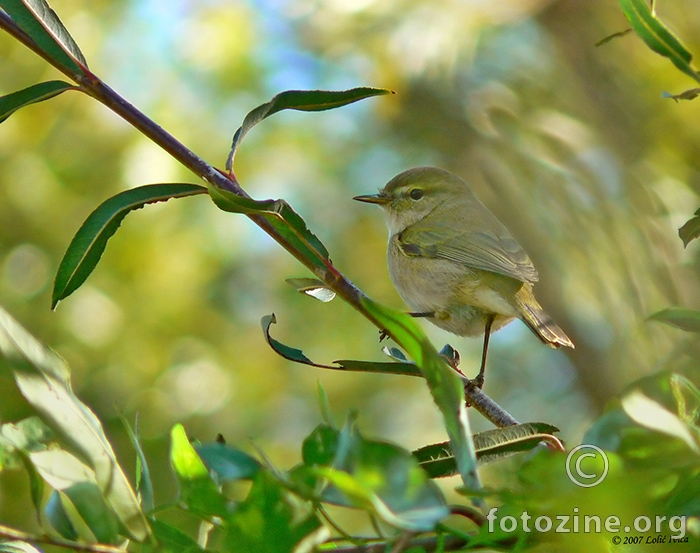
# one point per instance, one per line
(144, 484)
(44, 379)
(437, 459)
(690, 230)
(87, 246)
(282, 217)
(657, 36)
(298, 356)
(445, 386)
(40, 22)
(685, 319)
(300, 100)
(31, 95)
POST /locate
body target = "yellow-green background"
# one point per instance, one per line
(571, 145)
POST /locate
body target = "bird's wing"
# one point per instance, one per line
(492, 250)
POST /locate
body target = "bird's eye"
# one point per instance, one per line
(416, 194)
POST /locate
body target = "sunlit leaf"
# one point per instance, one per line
(282, 217)
(197, 490)
(445, 386)
(298, 356)
(300, 100)
(657, 36)
(227, 463)
(87, 246)
(312, 287)
(41, 23)
(437, 459)
(652, 415)
(270, 520)
(690, 230)
(44, 379)
(31, 95)
(17, 547)
(685, 319)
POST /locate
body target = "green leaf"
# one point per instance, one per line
(44, 379)
(58, 517)
(685, 319)
(687, 398)
(652, 415)
(173, 540)
(378, 476)
(690, 230)
(270, 520)
(282, 217)
(144, 484)
(197, 490)
(312, 287)
(88, 501)
(437, 459)
(41, 23)
(228, 463)
(445, 386)
(321, 446)
(300, 100)
(76, 482)
(296, 355)
(31, 95)
(657, 36)
(87, 246)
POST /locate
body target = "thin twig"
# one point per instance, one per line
(13, 534)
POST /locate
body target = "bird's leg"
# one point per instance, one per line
(479, 380)
(382, 333)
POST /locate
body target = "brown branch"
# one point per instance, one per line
(12, 534)
(321, 267)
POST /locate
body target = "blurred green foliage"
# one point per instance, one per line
(572, 146)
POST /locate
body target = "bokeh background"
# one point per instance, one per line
(573, 146)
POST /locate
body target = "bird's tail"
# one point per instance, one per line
(542, 324)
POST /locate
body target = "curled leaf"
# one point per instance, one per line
(312, 287)
(298, 356)
(300, 100)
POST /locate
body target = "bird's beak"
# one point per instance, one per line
(379, 199)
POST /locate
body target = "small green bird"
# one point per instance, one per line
(454, 262)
